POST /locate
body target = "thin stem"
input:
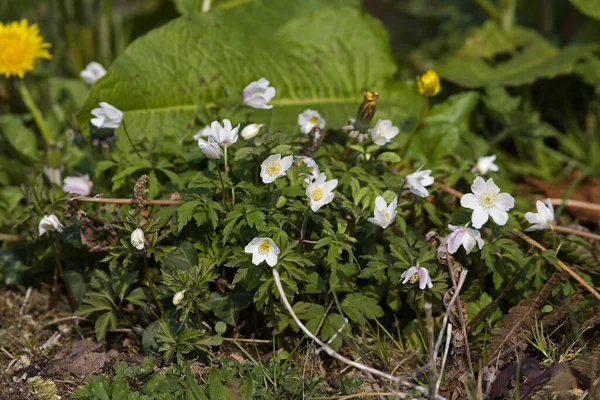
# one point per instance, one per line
(226, 164)
(332, 353)
(103, 200)
(413, 132)
(151, 285)
(489, 7)
(222, 185)
(131, 141)
(61, 271)
(443, 366)
(35, 112)
(304, 225)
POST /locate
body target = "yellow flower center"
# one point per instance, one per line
(387, 214)
(414, 278)
(317, 194)
(47, 226)
(301, 162)
(264, 247)
(487, 199)
(313, 120)
(20, 47)
(273, 168)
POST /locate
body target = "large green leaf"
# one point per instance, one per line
(591, 8)
(322, 61)
(512, 57)
(262, 17)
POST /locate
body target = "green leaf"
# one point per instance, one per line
(357, 307)
(215, 387)
(21, 139)
(185, 258)
(322, 61)
(389, 156)
(434, 141)
(227, 307)
(591, 8)
(185, 212)
(102, 323)
(531, 57)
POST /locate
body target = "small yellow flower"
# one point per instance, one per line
(20, 47)
(429, 83)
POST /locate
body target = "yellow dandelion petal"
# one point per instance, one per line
(20, 47)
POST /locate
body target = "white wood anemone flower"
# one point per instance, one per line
(309, 119)
(274, 167)
(250, 131)
(81, 185)
(384, 215)
(49, 223)
(384, 132)
(225, 135)
(263, 249)
(107, 116)
(311, 165)
(544, 217)
(485, 165)
(420, 274)
(417, 181)
(465, 237)
(137, 239)
(258, 94)
(320, 192)
(487, 201)
(210, 148)
(92, 72)
(204, 132)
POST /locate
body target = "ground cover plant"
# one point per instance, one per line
(323, 199)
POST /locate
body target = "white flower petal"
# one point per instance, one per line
(479, 217)
(469, 200)
(499, 216)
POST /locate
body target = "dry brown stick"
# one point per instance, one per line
(124, 201)
(575, 232)
(9, 237)
(561, 264)
(557, 228)
(265, 341)
(583, 205)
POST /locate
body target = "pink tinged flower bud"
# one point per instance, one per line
(81, 185)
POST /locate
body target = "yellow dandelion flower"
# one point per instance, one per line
(20, 47)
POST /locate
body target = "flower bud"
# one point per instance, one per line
(49, 223)
(178, 297)
(137, 239)
(429, 83)
(366, 111)
(250, 131)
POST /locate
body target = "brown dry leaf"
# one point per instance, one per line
(81, 359)
(588, 191)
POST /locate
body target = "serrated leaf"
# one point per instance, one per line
(531, 58)
(357, 307)
(103, 322)
(185, 212)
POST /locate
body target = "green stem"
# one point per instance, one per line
(222, 185)
(61, 271)
(151, 285)
(226, 165)
(131, 141)
(489, 7)
(35, 112)
(413, 132)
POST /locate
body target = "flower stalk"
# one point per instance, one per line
(58, 270)
(151, 285)
(35, 112)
